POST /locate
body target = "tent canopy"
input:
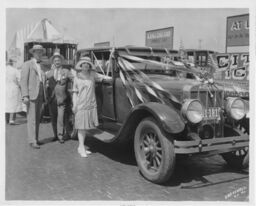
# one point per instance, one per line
(44, 31)
(41, 32)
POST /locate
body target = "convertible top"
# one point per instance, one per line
(134, 50)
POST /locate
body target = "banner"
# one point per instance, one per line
(233, 66)
(233, 70)
(102, 44)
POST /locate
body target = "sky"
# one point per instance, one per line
(127, 26)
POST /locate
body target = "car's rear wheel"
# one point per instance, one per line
(153, 151)
(240, 158)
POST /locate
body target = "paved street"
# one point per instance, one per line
(57, 172)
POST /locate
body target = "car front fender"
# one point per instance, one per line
(167, 117)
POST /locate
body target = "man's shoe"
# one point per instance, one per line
(40, 143)
(61, 141)
(55, 139)
(34, 146)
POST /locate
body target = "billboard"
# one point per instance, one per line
(237, 31)
(160, 38)
(102, 44)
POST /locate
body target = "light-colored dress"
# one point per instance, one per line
(86, 116)
(13, 99)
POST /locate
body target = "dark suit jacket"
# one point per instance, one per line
(58, 90)
(30, 83)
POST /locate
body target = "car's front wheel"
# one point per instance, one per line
(153, 151)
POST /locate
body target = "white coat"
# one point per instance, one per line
(13, 99)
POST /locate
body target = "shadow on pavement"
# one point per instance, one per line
(46, 140)
(192, 172)
(124, 156)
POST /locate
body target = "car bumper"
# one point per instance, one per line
(215, 145)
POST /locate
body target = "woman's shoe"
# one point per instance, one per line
(88, 152)
(82, 152)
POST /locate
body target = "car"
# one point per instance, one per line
(163, 114)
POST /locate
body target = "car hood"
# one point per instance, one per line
(176, 86)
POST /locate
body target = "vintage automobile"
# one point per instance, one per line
(202, 122)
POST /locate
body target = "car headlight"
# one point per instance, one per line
(192, 110)
(235, 108)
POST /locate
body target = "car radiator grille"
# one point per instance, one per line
(213, 122)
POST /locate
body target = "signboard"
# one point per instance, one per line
(160, 38)
(102, 44)
(237, 31)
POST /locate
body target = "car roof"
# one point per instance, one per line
(199, 50)
(134, 50)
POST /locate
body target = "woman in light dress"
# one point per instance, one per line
(84, 100)
(13, 100)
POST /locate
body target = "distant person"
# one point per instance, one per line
(59, 81)
(13, 102)
(84, 100)
(33, 93)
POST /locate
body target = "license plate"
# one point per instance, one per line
(212, 113)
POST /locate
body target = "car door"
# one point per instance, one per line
(105, 96)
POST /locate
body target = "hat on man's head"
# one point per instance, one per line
(37, 47)
(82, 61)
(57, 54)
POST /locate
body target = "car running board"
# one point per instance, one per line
(101, 135)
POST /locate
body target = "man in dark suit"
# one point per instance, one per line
(59, 81)
(33, 93)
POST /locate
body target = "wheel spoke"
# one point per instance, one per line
(154, 163)
(157, 160)
(158, 155)
(147, 163)
(158, 148)
(148, 138)
(145, 142)
(151, 161)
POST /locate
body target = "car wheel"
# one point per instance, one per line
(153, 151)
(240, 158)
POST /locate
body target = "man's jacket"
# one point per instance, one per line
(30, 82)
(59, 90)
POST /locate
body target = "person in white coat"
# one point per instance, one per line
(13, 98)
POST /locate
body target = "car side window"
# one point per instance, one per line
(101, 62)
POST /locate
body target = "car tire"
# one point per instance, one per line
(238, 159)
(154, 152)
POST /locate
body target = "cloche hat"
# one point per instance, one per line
(82, 61)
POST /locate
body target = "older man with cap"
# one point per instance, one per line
(59, 81)
(33, 93)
